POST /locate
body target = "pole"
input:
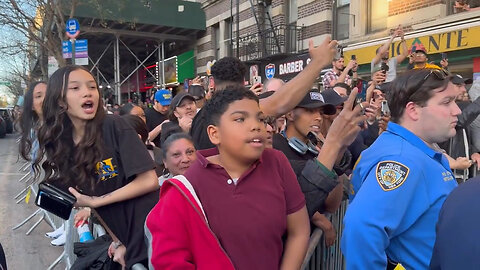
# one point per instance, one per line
(238, 28)
(138, 89)
(116, 60)
(73, 50)
(230, 50)
(163, 65)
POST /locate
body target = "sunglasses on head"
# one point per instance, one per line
(439, 74)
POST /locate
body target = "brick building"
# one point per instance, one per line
(278, 31)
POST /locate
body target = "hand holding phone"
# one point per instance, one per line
(339, 52)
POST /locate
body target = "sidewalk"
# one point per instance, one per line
(22, 251)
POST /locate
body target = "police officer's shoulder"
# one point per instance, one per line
(392, 171)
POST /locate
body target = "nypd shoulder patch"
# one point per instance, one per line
(391, 174)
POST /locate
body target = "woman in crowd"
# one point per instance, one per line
(97, 157)
(31, 118)
(133, 109)
(178, 155)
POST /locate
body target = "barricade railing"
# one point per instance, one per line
(28, 194)
(320, 257)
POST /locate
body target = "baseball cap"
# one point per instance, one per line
(178, 98)
(313, 100)
(458, 79)
(331, 97)
(163, 96)
(420, 48)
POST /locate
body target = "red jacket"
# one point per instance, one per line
(178, 232)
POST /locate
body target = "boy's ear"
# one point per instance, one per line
(213, 134)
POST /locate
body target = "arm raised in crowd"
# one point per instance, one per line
(342, 132)
(404, 52)
(384, 49)
(142, 184)
(291, 93)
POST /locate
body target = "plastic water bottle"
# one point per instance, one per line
(84, 231)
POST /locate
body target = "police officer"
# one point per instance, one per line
(400, 182)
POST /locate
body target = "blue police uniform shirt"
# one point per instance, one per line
(399, 184)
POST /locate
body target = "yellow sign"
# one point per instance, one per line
(435, 43)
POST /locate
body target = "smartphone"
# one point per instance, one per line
(384, 67)
(314, 139)
(354, 57)
(257, 79)
(339, 52)
(385, 110)
(414, 49)
(444, 56)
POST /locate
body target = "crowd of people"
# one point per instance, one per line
(236, 178)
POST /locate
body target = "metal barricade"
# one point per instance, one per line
(319, 257)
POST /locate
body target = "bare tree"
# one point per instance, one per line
(35, 28)
(16, 75)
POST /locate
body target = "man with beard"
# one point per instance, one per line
(339, 73)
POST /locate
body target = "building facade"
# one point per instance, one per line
(277, 31)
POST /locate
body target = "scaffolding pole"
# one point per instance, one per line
(116, 62)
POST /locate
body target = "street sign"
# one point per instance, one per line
(81, 48)
(72, 28)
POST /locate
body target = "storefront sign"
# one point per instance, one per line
(269, 71)
(286, 68)
(435, 43)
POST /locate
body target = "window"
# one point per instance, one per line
(459, 6)
(216, 38)
(342, 19)
(377, 14)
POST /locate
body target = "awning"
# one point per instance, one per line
(443, 39)
(171, 17)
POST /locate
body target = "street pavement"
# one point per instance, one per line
(22, 251)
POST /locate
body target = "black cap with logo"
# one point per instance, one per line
(314, 100)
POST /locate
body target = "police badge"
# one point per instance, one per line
(391, 174)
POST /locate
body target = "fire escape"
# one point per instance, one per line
(271, 39)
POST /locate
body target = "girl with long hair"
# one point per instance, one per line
(31, 118)
(99, 158)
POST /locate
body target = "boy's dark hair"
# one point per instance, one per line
(416, 86)
(229, 69)
(218, 104)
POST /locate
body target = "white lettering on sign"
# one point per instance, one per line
(291, 67)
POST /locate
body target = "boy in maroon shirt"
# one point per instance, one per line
(249, 195)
